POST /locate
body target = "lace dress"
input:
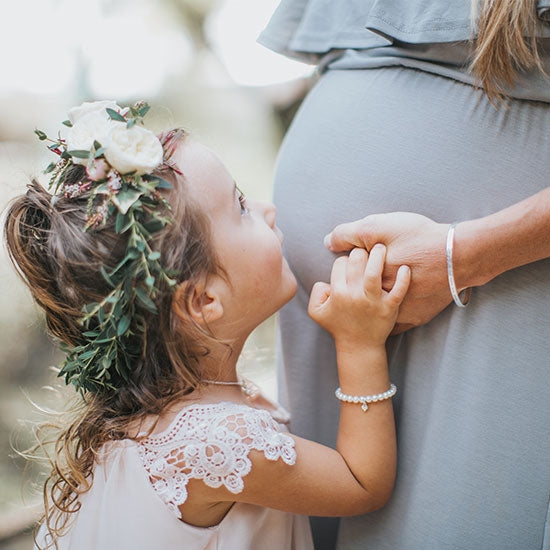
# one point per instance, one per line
(137, 488)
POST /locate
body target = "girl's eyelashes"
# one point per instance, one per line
(242, 202)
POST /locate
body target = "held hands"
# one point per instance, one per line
(354, 307)
(411, 239)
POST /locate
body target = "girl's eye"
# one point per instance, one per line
(242, 203)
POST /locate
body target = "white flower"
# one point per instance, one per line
(134, 149)
(88, 128)
(92, 107)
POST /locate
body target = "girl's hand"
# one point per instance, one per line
(354, 307)
(411, 239)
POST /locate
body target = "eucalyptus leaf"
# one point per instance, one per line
(146, 302)
(79, 153)
(87, 354)
(126, 198)
(123, 325)
(102, 189)
(115, 116)
(106, 276)
(68, 368)
(104, 340)
(144, 110)
(153, 226)
(163, 184)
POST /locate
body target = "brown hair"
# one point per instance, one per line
(61, 264)
(506, 43)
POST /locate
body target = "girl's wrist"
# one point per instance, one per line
(346, 349)
(367, 366)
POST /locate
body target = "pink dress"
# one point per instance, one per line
(125, 510)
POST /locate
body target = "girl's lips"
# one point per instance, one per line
(279, 234)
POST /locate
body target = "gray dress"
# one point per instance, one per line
(394, 124)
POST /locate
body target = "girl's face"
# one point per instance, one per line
(245, 237)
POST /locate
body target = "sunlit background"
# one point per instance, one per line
(197, 63)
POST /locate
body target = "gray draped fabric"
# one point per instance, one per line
(473, 405)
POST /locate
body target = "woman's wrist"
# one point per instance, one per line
(512, 237)
(472, 265)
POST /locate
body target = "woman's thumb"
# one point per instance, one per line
(346, 236)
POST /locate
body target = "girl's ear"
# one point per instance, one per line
(201, 301)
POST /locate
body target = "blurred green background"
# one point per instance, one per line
(197, 63)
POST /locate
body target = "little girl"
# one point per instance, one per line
(153, 269)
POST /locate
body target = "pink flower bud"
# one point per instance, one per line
(97, 169)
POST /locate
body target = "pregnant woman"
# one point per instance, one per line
(438, 108)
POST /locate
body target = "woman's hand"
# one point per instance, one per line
(354, 307)
(413, 240)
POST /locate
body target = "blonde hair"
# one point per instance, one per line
(506, 43)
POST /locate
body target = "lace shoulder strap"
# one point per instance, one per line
(211, 442)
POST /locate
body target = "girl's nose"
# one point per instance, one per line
(269, 211)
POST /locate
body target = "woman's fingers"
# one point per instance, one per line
(346, 236)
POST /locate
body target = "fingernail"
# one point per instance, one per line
(328, 241)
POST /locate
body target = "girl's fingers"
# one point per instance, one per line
(320, 293)
(338, 274)
(373, 272)
(355, 269)
(401, 285)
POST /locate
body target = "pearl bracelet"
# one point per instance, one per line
(366, 399)
(450, 273)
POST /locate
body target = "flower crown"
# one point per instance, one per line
(119, 156)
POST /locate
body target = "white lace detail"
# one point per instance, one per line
(211, 442)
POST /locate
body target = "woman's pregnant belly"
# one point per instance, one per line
(396, 139)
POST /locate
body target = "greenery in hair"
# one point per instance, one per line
(113, 328)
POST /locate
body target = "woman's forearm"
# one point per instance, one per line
(517, 235)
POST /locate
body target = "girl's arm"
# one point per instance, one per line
(358, 477)
(484, 248)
